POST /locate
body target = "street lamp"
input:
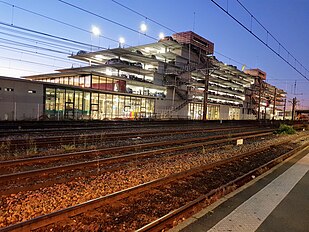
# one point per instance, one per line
(161, 35)
(143, 27)
(121, 42)
(142, 30)
(95, 31)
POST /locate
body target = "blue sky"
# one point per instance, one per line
(286, 20)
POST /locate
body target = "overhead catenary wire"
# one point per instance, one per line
(47, 35)
(68, 48)
(106, 19)
(12, 42)
(55, 47)
(39, 54)
(268, 32)
(122, 5)
(262, 41)
(231, 59)
(19, 69)
(57, 44)
(124, 26)
(30, 62)
(64, 41)
(144, 16)
(170, 29)
(55, 20)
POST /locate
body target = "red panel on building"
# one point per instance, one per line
(190, 37)
(122, 86)
(256, 73)
(118, 86)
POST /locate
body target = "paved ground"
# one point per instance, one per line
(278, 201)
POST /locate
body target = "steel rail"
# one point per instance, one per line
(190, 208)
(59, 215)
(116, 149)
(123, 158)
(99, 167)
(63, 127)
(61, 140)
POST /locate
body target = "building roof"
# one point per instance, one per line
(256, 73)
(196, 40)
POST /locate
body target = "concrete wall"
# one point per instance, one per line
(164, 107)
(224, 112)
(20, 99)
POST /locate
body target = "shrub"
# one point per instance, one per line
(285, 129)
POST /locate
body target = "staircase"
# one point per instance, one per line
(182, 93)
(180, 106)
(171, 110)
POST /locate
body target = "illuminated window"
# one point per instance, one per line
(9, 89)
(31, 91)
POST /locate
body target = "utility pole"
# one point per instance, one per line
(265, 112)
(284, 108)
(293, 107)
(274, 108)
(259, 106)
(206, 91)
(294, 102)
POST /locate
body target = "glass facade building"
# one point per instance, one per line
(66, 103)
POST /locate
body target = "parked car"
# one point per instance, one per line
(132, 77)
(149, 81)
(139, 52)
(114, 61)
(153, 69)
(137, 64)
(126, 62)
(81, 52)
(129, 90)
(201, 81)
(159, 94)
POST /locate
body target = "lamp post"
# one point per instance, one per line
(142, 30)
(95, 31)
(161, 35)
(143, 27)
(121, 42)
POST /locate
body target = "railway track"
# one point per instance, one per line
(54, 141)
(170, 219)
(96, 152)
(100, 165)
(107, 126)
(64, 126)
(156, 205)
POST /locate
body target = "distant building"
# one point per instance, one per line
(263, 100)
(167, 79)
(20, 99)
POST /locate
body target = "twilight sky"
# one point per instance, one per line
(25, 52)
